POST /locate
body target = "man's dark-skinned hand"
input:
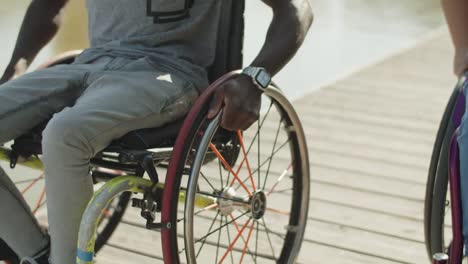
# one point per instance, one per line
(40, 24)
(239, 96)
(241, 100)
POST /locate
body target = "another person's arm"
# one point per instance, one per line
(291, 22)
(456, 13)
(40, 24)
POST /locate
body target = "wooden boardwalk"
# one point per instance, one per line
(370, 137)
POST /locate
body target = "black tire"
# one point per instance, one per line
(435, 203)
(7, 254)
(113, 221)
(292, 193)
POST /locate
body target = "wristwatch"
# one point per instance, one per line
(259, 76)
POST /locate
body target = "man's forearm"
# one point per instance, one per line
(40, 24)
(457, 20)
(290, 24)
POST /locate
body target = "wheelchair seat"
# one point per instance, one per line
(141, 139)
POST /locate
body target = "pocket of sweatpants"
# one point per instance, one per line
(169, 87)
(181, 92)
(174, 89)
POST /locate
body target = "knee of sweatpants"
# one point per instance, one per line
(64, 140)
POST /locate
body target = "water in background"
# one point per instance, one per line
(346, 35)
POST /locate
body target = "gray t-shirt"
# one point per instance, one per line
(125, 28)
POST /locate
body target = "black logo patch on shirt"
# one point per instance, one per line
(166, 11)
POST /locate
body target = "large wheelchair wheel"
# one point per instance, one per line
(245, 195)
(437, 200)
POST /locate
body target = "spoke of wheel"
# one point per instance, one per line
(43, 203)
(272, 151)
(237, 172)
(281, 236)
(209, 207)
(220, 174)
(32, 183)
(283, 190)
(271, 157)
(231, 246)
(280, 178)
(247, 242)
(236, 225)
(241, 141)
(218, 197)
(260, 127)
(219, 238)
(256, 244)
(277, 211)
(265, 162)
(257, 135)
(211, 227)
(39, 202)
(268, 236)
(258, 157)
(25, 181)
(214, 231)
(238, 230)
(209, 183)
(106, 213)
(229, 241)
(220, 157)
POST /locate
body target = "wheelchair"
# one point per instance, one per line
(442, 207)
(213, 194)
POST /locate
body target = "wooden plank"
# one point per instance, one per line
(358, 199)
(144, 240)
(415, 127)
(328, 122)
(370, 243)
(367, 183)
(116, 255)
(407, 109)
(326, 254)
(369, 167)
(331, 143)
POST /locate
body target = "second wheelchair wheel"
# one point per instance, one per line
(437, 216)
(247, 209)
(33, 191)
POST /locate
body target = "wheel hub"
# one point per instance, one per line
(258, 205)
(228, 202)
(226, 206)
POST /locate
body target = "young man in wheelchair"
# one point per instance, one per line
(140, 71)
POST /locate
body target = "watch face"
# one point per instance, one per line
(264, 79)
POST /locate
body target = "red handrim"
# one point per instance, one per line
(176, 157)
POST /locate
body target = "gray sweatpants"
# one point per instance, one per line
(90, 105)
